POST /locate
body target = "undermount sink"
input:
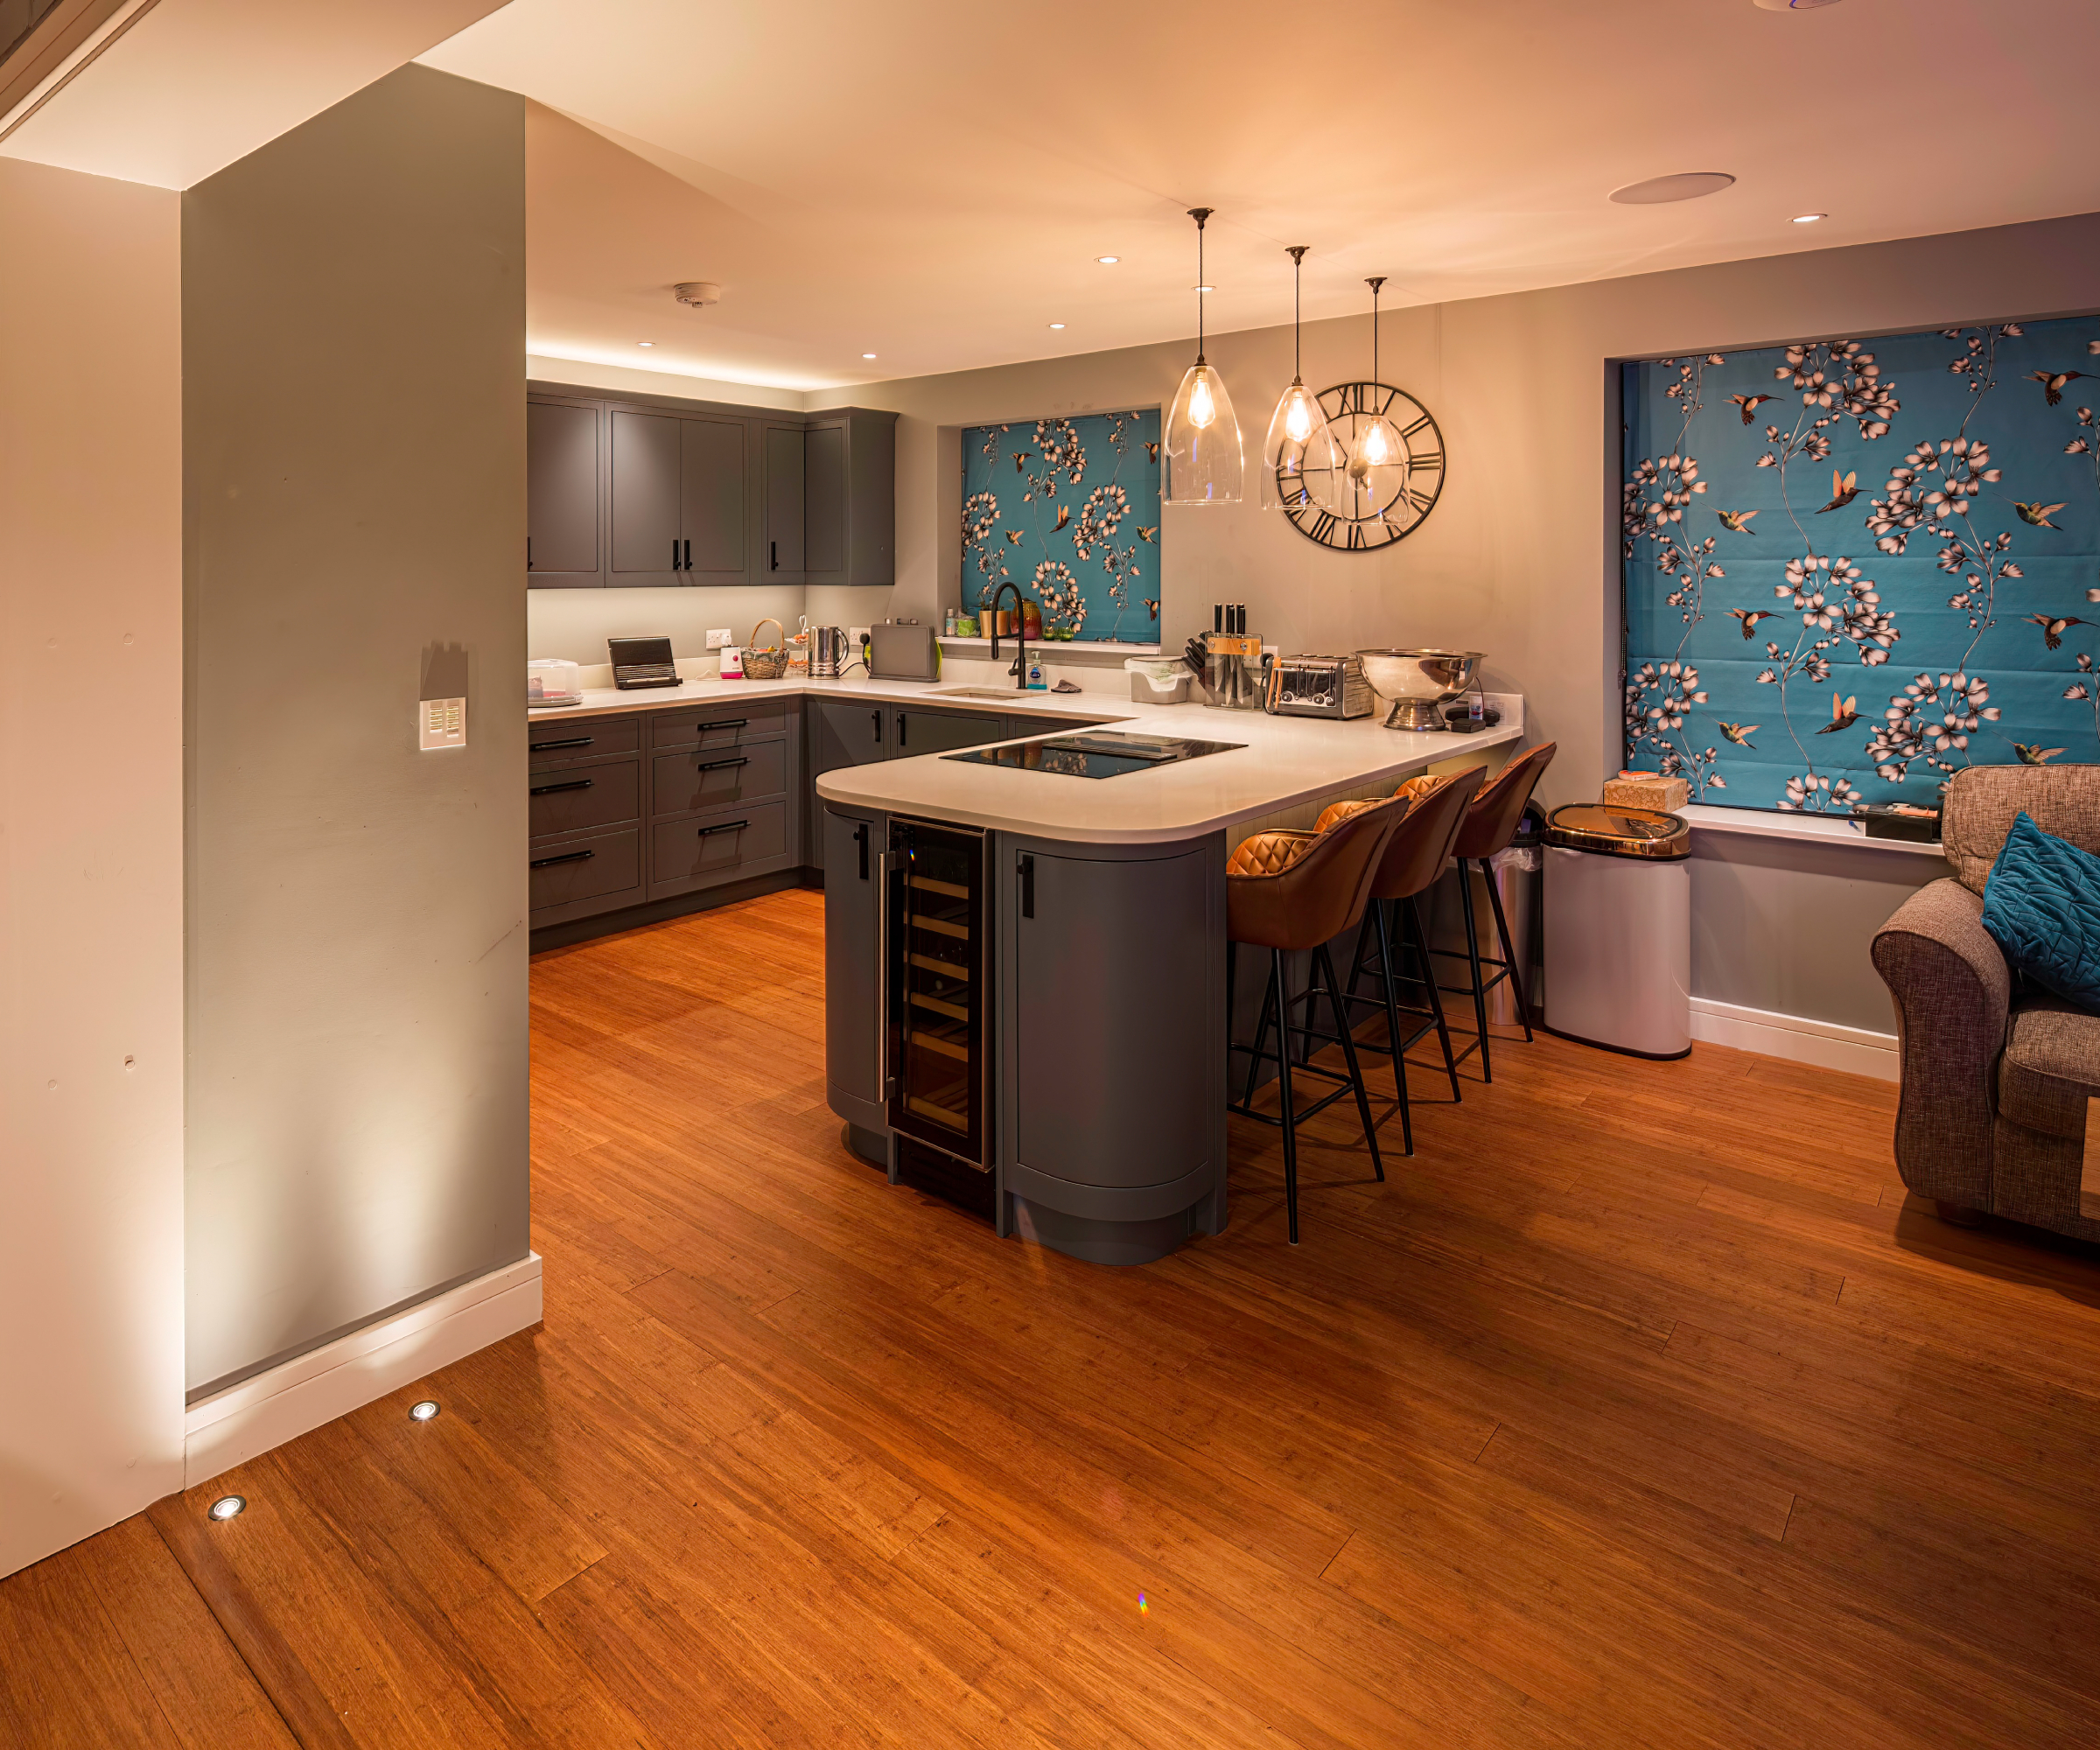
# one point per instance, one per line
(1004, 695)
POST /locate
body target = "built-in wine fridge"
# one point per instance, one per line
(937, 1067)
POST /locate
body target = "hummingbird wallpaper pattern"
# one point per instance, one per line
(1068, 509)
(1854, 566)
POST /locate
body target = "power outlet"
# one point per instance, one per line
(856, 634)
(719, 640)
(442, 722)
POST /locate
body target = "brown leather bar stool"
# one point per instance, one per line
(1414, 858)
(1489, 825)
(1293, 893)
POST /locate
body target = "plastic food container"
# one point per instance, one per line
(553, 680)
(1155, 680)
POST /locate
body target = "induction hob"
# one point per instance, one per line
(1096, 753)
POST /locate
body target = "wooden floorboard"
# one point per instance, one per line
(1641, 1407)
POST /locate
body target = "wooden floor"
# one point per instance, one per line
(1639, 1409)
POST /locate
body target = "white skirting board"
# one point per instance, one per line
(232, 1427)
(1825, 1044)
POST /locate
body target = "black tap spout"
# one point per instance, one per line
(1020, 625)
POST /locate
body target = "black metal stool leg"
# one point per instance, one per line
(1502, 926)
(1472, 959)
(1436, 996)
(1279, 992)
(1261, 1034)
(1348, 1055)
(1378, 909)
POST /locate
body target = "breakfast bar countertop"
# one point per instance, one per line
(1281, 761)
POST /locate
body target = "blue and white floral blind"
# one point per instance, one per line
(1068, 510)
(1853, 567)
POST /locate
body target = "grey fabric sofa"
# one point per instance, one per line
(1996, 1078)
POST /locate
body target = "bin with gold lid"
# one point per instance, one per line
(1618, 950)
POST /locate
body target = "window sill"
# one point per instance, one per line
(1823, 829)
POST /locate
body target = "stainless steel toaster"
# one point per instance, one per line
(1318, 686)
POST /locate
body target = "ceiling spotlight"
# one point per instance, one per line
(1057, 325)
(867, 355)
(1203, 288)
(1794, 5)
(1808, 218)
(645, 343)
(228, 1506)
(1685, 185)
(1108, 261)
(425, 1411)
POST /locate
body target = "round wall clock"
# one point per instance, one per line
(1369, 502)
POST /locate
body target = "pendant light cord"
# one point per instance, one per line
(1200, 214)
(1374, 284)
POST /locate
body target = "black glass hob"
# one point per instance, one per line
(1098, 754)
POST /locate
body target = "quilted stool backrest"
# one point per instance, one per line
(1983, 802)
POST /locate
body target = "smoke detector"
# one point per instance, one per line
(1794, 5)
(698, 292)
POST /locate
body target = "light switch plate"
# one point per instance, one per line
(719, 640)
(443, 723)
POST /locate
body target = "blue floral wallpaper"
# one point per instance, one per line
(1070, 510)
(1853, 567)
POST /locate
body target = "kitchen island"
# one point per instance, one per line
(1025, 968)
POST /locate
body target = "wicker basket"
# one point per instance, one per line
(765, 662)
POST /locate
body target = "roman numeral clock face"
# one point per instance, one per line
(1375, 499)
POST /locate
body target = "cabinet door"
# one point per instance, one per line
(1115, 1037)
(710, 455)
(824, 508)
(561, 496)
(840, 735)
(784, 547)
(941, 731)
(645, 499)
(853, 1019)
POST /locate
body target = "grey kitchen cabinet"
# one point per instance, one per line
(586, 786)
(850, 514)
(913, 731)
(711, 499)
(854, 841)
(1111, 1006)
(783, 561)
(563, 456)
(647, 476)
(845, 734)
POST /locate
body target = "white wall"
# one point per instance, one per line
(91, 927)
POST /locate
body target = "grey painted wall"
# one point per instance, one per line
(1520, 558)
(354, 341)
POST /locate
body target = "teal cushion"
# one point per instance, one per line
(2041, 906)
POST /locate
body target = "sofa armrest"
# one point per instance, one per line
(1953, 995)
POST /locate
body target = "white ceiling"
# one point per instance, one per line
(930, 180)
(192, 85)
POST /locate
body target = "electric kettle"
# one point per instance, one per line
(827, 652)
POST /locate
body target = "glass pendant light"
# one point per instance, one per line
(1301, 458)
(1204, 464)
(1377, 448)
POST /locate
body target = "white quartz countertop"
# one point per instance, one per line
(1280, 761)
(610, 701)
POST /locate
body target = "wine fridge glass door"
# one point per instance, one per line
(938, 1002)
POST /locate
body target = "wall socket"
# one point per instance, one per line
(719, 640)
(855, 633)
(442, 722)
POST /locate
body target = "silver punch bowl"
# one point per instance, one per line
(1418, 682)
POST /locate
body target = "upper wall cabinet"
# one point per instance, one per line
(850, 511)
(657, 493)
(563, 451)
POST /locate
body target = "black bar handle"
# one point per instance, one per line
(573, 784)
(573, 741)
(772, 553)
(878, 716)
(566, 857)
(860, 838)
(1027, 868)
(723, 722)
(903, 718)
(688, 556)
(528, 552)
(727, 826)
(717, 764)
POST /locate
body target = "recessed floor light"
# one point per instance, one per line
(425, 1411)
(1108, 261)
(1808, 218)
(1685, 185)
(228, 1506)
(1057, 325)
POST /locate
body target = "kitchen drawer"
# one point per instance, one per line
(723, 846)
(592, 737)
(712, 778)
(574, 798)
(605, 867)
(720, 725)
